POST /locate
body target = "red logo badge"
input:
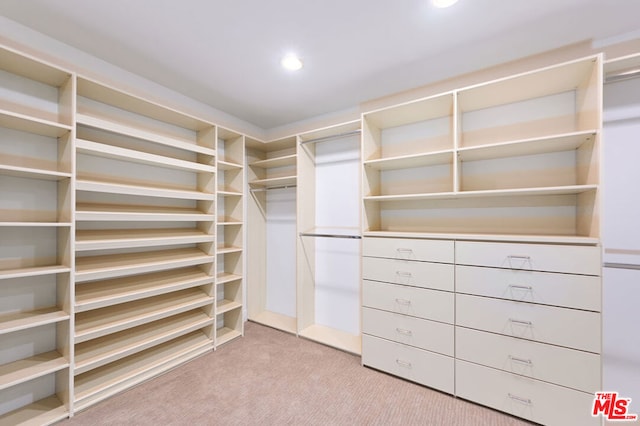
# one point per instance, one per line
(612, 407)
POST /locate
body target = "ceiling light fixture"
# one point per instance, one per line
(443, 3)
(291, 62)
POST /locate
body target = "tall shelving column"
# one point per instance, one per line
(230, 236)
(271, 227)
(36, 243)
(328, 248)
(145, 240)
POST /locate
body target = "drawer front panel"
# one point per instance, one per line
(424, 334)
(439, 276)
(424, 367)
(413, 301)
(573, 291)
(567, 367)
(537, 257)
(559, 326)
(409, 249)
(524, 397)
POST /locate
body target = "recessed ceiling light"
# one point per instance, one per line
(443, 3)
(291, 62)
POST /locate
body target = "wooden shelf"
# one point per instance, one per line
(99, 352)
(278, 181)
(547, 239)
(228, 221)
(225, 250)
(226, 334)
(228, 165)
(225, 277)
(412, 112)
(229, 192)
(100, 294)
(113, 213)
(24, 320)
(410, 161)
(116, 265)
(36, 224)
(133, 156)
(33, 69)
(618, 67)
(98, 384)
(147, 135)
(30, 168)
(112, 319)
(287, 160)
(276, 320)
(559, 190)
(33, 272)
(223, 306)
(31, 368)
(556, 143)
(28, 124)
(145, 191)
(44, 412)
(129, 238)
(332, 337)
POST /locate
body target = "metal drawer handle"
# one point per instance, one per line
(404, 274)
(521, 287)
(522, 360)
(404, 331)
(404, 302)
(521, 322)
(517, 257)
(520, 399)
(404, 250)
(404, 364)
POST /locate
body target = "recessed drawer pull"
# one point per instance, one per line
(520, 322)
(404, 274)
(404, 250)
(404, 331)
(404, 364)
(522, 360)
(520, 287)
(516, 257)
(404, 302)
(520, 399)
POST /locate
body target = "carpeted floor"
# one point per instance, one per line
(273, 378)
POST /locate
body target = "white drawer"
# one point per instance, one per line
(537, 257)
(417, 302)
(559, 326)
(424, 367)
(429, 335)
(524, 397)
(573, 291)
(562, 366)
(409, 249)
(438, 276)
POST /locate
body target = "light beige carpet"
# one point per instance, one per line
(272, 378)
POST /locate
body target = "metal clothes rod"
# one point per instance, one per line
(313, 234)
(269, 188)
(327, 138)
(624, 75)
(621, 265)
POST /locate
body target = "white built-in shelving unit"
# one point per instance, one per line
(328, 248)
(271, 228)
(144, 240)
(36, 240)
(230, 236)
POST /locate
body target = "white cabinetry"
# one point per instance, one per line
(36, 240)
(144, 241)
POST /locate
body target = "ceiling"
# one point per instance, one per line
(227, 53)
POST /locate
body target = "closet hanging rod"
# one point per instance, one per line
(314, 234)
(328, 138)
(623, 75)
(269, 188)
